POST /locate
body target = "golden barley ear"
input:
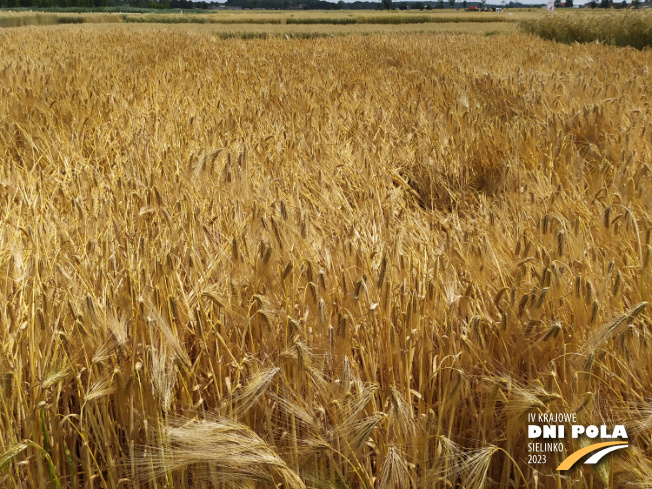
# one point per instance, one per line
(215, 450)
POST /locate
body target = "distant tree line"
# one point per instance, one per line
(104, 4)
(324, 5)
(359, 5)
(189, 4)
(610, 4)
(305, 4)
(260, 4)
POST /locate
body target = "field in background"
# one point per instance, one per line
(22, 18)
(346, 262)
(256, 31)
(625, 28)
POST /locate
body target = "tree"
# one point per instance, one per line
(440, 4)
(569, 3)
(636, 3)
(464, 4)
(429, 6)
(451, 3)
(605, 4)
(417, 6)
(557, 3)
(387, 4)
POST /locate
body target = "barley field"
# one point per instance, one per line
(271, 17)
(357, 261)
(302, 24)
(626, 28)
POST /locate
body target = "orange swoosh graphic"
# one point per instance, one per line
(570, 461)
